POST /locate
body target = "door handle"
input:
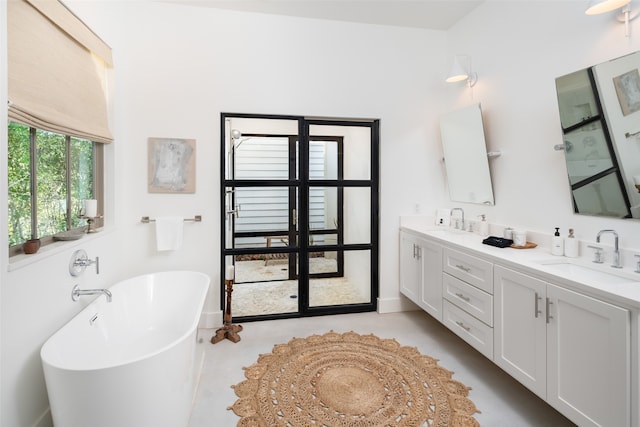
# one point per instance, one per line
(549, 316)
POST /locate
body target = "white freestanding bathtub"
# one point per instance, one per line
(130, 362)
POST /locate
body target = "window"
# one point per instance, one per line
(50, 175)
(58, 119)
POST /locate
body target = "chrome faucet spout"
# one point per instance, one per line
(616, 248)
(76, 293)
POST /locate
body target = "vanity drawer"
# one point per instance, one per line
(470, 329)
(469, 298)
(470, 269)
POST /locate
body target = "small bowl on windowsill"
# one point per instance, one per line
(31, 246)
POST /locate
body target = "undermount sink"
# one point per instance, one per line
(580, 272)
(450, 232)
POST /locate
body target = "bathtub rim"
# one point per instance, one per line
(187, 333)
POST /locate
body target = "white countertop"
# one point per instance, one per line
(535, 262)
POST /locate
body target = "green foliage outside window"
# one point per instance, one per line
(55, 202)
(19, 184)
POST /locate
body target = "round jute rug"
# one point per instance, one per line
(350, 380)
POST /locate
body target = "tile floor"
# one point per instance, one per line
(503, 402)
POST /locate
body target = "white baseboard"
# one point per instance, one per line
(213, 319)
(210, 319)
(395, 305)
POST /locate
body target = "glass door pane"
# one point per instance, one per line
(262, 216)
(264, 285)
(339, 221)
(343, 151)
(261, 198)
(353, 286)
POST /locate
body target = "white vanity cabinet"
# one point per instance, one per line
(570, 349)
(421, 272)
(467, 287)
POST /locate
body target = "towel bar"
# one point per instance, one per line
(197, 218)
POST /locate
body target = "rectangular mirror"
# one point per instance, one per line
(465, 156)
(600, 116)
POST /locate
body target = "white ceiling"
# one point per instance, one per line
(430, 14)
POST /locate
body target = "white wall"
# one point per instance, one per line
(518, 49)
(176, 69)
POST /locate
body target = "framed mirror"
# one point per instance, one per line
(599, 111)
(465, 156)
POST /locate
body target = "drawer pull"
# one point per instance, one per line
(462, 297)
(463, 268)
(463, 326)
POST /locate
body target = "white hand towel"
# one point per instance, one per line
(169, 233)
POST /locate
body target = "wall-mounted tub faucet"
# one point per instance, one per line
(80, 261)
(616, 250)
(76, 293)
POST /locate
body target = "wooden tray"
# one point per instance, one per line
(528, 245)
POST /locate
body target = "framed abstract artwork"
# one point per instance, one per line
(628, 90)
(171, 165)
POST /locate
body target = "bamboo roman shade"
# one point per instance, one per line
(58, 71)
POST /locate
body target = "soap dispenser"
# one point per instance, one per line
(557, 243)
(484, 226)
(571, 245)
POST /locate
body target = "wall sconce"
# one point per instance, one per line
(597, 7)
(461, 71)
(602, 6)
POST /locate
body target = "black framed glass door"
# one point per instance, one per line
(300, 206)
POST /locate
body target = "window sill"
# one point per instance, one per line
(23, 260)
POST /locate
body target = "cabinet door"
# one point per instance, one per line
(430, 255)
(410, 268)
(520, 328)
(588, 359)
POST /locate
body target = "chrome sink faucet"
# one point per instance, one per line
(462, 220)
(76, 292)
(616, 250)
